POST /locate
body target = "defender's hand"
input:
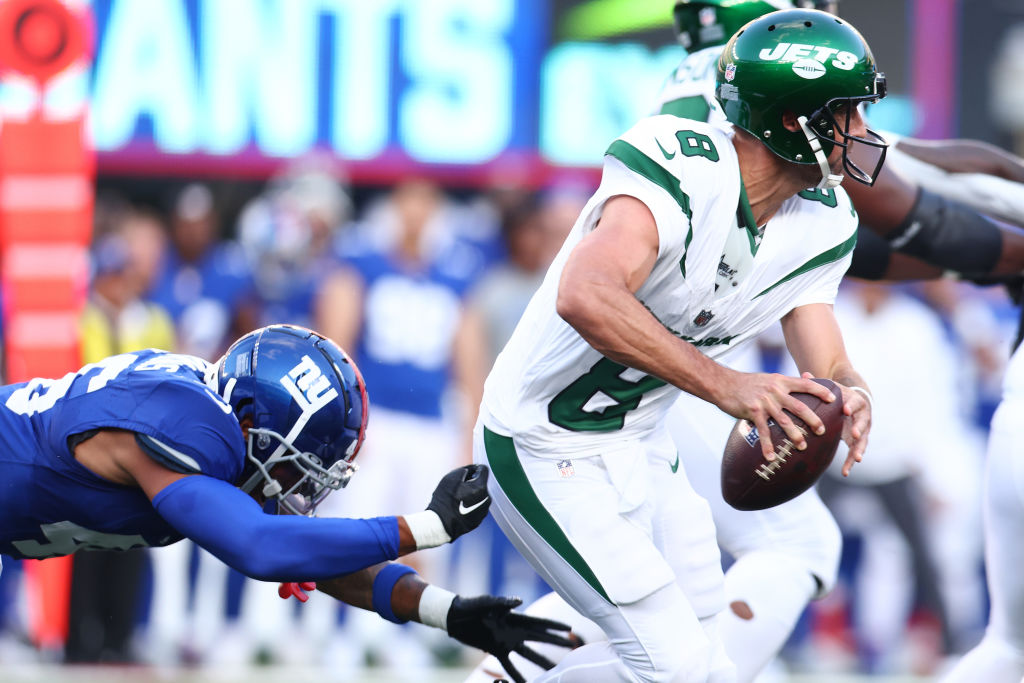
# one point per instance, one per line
(488, 623)
(460, 499)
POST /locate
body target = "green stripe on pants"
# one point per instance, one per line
(505, 465)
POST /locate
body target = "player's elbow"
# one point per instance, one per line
(575, 306)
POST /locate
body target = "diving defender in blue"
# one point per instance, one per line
(147, 448)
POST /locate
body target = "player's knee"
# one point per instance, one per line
(673, 659)
(816, 551)
(666, 646)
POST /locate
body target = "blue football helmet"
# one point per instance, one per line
(305, 404)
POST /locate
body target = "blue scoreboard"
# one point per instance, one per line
(238, 85)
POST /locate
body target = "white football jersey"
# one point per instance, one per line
(690, 91)
(716, 282)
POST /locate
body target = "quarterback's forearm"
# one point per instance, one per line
(816, 344)
(596, 296)
(846, 375)
(612, 320)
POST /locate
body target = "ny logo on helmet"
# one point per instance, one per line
(309, 386)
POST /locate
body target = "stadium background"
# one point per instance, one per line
(478, 98)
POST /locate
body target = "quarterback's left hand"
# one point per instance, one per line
(856, 424)
(488, 623)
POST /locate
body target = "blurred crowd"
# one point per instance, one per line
(423, 287)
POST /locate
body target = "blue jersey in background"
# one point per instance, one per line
(410, 318)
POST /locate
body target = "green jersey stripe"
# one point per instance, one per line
(640, 163)
(695, 107)
(745, 216)
(504, 464)
(830, 256)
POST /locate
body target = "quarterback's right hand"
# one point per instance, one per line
(461, 499)
(760, 397)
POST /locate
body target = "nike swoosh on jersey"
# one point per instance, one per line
(664, 151)
(675, 465)
(463, 510)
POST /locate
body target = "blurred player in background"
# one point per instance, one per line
(918, 449)
(639, 294)
(289, 234)
(203, 282)
(105, 587)
(398, 301)
(146, 448)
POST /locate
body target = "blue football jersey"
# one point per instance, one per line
(410, 318)
(52, 505)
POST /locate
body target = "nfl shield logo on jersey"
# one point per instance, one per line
(703, 318)
(730, 72)
(565, 468)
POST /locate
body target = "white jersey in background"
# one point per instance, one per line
(690, 91)
(718, 281)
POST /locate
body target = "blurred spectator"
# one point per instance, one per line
(481, 220)
(288, 234)
(397, 304)
(116, 319)
(105, 587)
(919, 448)
(532, 232)
(203, 283)
(1008, 103)
(206, 286)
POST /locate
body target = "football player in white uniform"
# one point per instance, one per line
(928, 202)
(798, 543)
(699, 237)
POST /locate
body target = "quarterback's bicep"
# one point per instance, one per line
(621, 249)
(657, 189)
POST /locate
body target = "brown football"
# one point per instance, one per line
(749, 482)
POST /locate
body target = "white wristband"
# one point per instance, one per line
(865, 394)
(434, 605)
(427, 529)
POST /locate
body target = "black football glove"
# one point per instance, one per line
(488, 623)
(461, 499)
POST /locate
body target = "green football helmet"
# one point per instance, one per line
(813, 65)
(704, 23)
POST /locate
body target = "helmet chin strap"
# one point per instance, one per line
(828, 178)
